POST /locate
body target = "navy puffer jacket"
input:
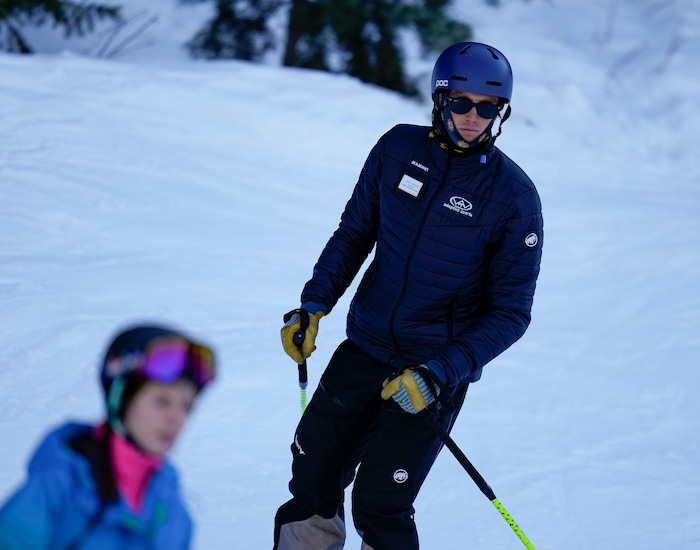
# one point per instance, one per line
(458, 247)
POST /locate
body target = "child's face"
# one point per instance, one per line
(157, 414)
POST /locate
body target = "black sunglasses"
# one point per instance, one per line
(462, 105)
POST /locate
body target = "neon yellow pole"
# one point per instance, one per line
(514, 526)
(481, 483)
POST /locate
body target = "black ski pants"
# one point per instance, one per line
(346, 432)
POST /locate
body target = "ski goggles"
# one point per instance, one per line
(462, 105)
(170, 359)
(166, 360)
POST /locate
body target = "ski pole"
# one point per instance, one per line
(482, 485)
(298, 339)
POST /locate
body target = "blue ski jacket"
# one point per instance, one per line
(458, 247)
(54, 508)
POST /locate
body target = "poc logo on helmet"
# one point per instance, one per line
(442, 83)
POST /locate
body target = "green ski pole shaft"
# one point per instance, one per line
(484, 487)
(303, 382)
(298, 339)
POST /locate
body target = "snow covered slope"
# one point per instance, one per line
(155, 187)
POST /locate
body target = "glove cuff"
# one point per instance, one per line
(437, 371)
(315, 307)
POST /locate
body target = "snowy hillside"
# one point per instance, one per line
(154, 187)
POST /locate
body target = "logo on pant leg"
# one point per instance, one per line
(296, 442)
(400, 476)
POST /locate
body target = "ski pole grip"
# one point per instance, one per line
(300, 335)
(302, 316)
(298, 339)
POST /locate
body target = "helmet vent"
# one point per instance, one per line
(455, 77)
(462, 52)
(493, 54)
(492, 83)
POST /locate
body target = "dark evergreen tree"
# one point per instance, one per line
(306, 43)
(357, 37)
(238, 31)
(364, 35)
(73, 17)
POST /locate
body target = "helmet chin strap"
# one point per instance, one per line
(114, 400)
(500, 124)
(492, 141)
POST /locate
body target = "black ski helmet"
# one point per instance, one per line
(128, 364)
(473, 67)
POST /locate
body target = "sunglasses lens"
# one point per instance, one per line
(486, 110)
(462, 105)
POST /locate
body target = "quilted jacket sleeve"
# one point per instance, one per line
(511, 278)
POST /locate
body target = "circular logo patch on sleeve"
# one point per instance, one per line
(400, 476)
(531, 240)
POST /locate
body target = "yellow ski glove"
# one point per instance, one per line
(292, 327)
(410, 390)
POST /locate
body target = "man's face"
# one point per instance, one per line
(470, 125)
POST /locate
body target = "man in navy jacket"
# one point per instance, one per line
(457, 228)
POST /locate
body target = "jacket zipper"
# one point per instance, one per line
(409, 258)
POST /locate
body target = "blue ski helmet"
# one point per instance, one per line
(473, 67)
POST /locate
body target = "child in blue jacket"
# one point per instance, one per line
(110, 486)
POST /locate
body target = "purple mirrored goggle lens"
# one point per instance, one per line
(169, 361)
(462, 105)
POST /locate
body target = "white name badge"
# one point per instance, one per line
(410, 185)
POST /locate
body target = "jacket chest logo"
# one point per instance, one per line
(459, 205)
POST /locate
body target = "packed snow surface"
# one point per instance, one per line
(145, 185)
